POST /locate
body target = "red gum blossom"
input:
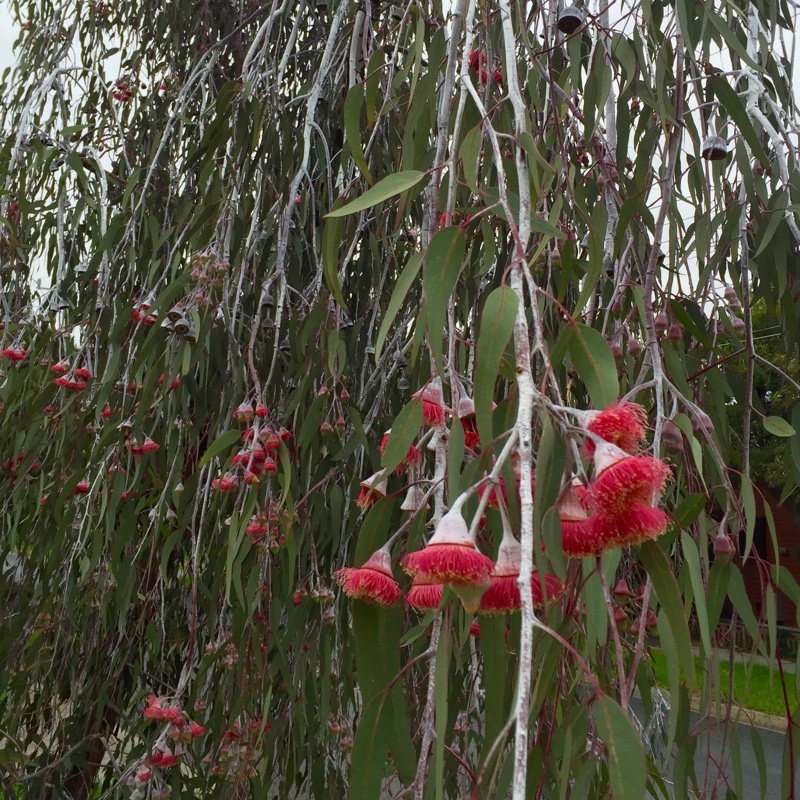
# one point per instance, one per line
(637, 525)
(372, 582)
(630, 479)
(450, 563)
(580, 538)
(423, 595)
(503, 593)
(623, 424)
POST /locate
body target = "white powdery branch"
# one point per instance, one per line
(527, 392)
(755, 91)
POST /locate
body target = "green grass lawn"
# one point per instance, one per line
(757, 687)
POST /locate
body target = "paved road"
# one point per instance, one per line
(712, 777)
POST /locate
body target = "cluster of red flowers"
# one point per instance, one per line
(10, 466)
(434, 415)
(182, 730)
(208, 269)
(264, 528)
(140, 314)
(122, 90)
(257, 458)
(455, 219)
(451, 558)
(74, 379)
(14, 353)
(477, 62)
(173, 384)
(616, 508)
(136, 449)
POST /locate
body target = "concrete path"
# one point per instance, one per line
(716, 776)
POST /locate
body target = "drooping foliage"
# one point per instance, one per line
(242, 241)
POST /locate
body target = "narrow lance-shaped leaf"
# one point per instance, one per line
(443, 264)
(220, 444)
(404, 430)
(497, 325)
(352, 127)
(666, 588)
(390, 186)
(627, 769)
(370, 745)
(331, 239)
(401, 289)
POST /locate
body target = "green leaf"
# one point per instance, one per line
(778, 426)
(692, 556)
(749, 503)
(455, 457)
(390, 186)
(404, 283)
(497, 325)
(353, 127)
(718, 579)
(443, 265)
(373, 533)
(404, 430)
(741, 602)
(539, 225)
(331, 239)
(592, 358)
(627, 769)
(370, 745)
(689, 509)
(733, 105)
(666, 588)
(469, 152)
(731, 39)
(492, 646)
(228, 439)
(549, 470)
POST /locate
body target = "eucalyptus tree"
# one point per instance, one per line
(242, 241)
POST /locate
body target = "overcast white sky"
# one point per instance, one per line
(7, 36)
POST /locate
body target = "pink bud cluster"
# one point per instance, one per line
(209, 269)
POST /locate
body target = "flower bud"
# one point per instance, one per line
(672, 436)
(724, 549)
(702, 422)
(675, 332)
